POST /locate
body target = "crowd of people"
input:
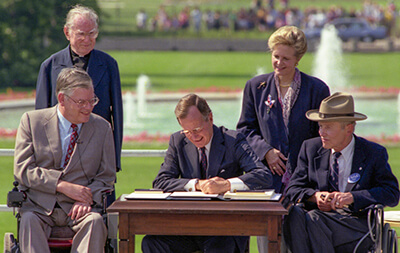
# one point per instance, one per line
(262, 17)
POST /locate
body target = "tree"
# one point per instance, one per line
(30, 31)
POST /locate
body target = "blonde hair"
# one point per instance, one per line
(290, 36)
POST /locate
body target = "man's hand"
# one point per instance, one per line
(215, 185)
(78, 210)
(328, 201)
(275, 162)
(76, 192)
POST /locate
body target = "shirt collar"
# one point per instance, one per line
(64, 124)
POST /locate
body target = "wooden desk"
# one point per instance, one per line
(185, 217)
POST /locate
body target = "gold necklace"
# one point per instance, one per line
(285, 86)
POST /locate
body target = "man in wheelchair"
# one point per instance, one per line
(338, 176)
(64, 160)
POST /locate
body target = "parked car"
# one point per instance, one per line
(351, 28)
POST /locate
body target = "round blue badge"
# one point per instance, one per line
(353, 178)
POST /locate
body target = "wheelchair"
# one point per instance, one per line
(382, 235)
(60, 240)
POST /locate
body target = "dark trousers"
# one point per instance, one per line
(328, 232)
(189, 244)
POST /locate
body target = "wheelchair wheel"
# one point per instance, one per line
(389, 239)
(9, 242)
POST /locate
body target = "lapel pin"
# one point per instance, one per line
(353, 178)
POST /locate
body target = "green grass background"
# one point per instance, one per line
(174, 71)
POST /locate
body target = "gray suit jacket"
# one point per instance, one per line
(38, 160)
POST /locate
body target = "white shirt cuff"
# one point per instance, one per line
(191, 185)
(237, 185)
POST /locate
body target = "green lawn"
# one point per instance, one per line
(174, 71)
(136, 173)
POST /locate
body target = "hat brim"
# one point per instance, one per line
(315, 116)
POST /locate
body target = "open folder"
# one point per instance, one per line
(269, 195)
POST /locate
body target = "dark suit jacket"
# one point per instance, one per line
(38, 160)
(266, 130)
(103, 70)
(377, 184)
(230, 156)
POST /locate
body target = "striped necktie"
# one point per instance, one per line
(334, 175)
(72, 141)
(203, 163)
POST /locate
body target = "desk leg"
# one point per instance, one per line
(126, 241)
(274, 233)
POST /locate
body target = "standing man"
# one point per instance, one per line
(81, 29)
(338, 176)
(207, 158)
(64, 159)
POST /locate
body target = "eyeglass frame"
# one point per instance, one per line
(86, 102)
(197, 130)
(93, 34)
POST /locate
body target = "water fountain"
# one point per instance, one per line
(328, 62)
(142, 84)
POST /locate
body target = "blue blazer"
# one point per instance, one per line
(377, 184)
(265, 129)
(230, 156)
(103, 70)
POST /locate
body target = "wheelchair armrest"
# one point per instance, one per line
(15, 197)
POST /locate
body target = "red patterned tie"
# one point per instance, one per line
(203, 162)
(72, 141)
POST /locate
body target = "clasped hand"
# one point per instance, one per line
(328, 201)
(215, 185)
(81, 194)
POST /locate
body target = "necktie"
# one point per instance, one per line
(72, 141)
(203, 163)
(334, 176)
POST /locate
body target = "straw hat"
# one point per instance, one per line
(337, 107)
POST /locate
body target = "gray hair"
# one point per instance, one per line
(80, 10)
(182, 108)
(70, 79)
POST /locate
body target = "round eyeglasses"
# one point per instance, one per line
(81, 103)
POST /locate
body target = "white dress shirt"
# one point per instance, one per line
(64, 127)
(236, 183)
(345, 162)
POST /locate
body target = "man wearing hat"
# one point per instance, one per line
(338, 176)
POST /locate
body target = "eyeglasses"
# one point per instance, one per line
(80, 35)
(83, 103)
(197, 130)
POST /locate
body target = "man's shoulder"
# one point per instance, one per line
(102, 55)
(368, 146)
(99, 121)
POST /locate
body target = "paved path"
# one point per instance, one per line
(168, 44)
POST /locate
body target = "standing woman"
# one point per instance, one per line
(274, 106)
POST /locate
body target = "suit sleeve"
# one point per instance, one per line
(169, 177)
(381, 187)
(117, 112)
(43, 87)
(26, 171)
(248, 123)
(257, 176)
(300, 187)
(105, 176)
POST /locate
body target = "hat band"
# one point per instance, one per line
(328, 115)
